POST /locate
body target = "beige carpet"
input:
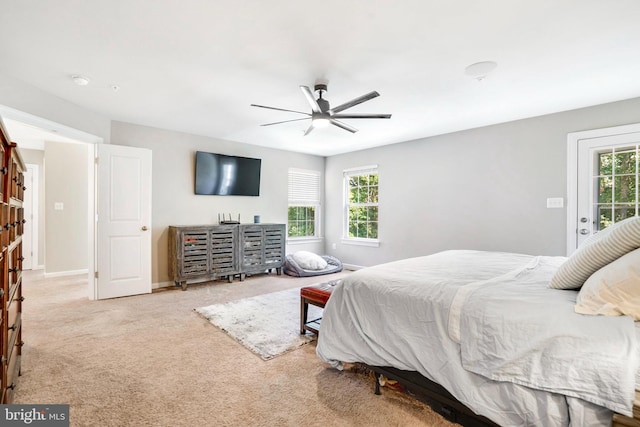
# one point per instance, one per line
(150, 360)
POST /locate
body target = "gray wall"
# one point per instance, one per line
(483, 188)
(66, 233)
(36, 157)
(29, 99)
(174, 201)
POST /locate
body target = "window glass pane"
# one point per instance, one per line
(605, 164)
(604, 217)
(353, 195)
(625, 188)
(623, 211)
(372, 213)
(363, 194)
(353, 229)
(362, 229)
(311, 213)
(373, 194)
(292, 213)
(625, 162)
(605, 189)
(373, 230)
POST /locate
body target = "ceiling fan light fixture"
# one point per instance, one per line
(321, 122)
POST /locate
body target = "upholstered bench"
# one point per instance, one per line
(317, 295)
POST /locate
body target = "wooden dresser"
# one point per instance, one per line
(223, 251)
(12, 224)
(622, 421)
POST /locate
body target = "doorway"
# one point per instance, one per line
(603, 177)
(60, 208)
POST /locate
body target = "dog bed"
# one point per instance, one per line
(306, 264)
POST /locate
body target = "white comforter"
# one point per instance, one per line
(485, 326)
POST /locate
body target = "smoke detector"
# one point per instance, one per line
(80, 80)
(480, 70)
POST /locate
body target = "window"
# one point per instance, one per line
(304, 204)
(361, 205)
(616, 184)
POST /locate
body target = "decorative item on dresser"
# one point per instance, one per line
(12, 224)
(224, 251)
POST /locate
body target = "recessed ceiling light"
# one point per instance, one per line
(80, 80)
(480, 70)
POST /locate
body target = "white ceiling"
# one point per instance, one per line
(196, 66)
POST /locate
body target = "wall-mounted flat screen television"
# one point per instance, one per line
(222, 175)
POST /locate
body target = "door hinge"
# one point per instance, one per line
(97, 160)
(96, 275)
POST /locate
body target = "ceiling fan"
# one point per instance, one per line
(322, 114)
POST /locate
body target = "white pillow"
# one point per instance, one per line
(605, 247)
(309, 260)
(614, 290)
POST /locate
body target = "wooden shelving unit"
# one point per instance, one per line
(12, 225)
(224, 251)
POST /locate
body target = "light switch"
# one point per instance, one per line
(555, 202)
(58, 206)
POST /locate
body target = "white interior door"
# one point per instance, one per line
(607, 183)
(123, 228)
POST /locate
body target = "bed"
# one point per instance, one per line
(497, 333)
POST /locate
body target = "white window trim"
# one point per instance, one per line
(573, 141)
(304, 240)
(357, 241)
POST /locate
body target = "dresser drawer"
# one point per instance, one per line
(13, 313)
(13, 371)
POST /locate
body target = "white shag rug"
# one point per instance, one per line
(268, 325)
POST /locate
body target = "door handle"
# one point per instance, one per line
(144, 228)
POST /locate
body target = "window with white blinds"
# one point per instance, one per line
(304, 203)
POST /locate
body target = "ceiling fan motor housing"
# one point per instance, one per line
(322, 103)
(320, 86)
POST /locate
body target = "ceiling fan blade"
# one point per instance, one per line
(309, 129)
(343, 125)
(285, 121)
(312, 101)
(354, 102)
(280, 109)
(361, 116)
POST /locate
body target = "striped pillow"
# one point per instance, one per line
(611, 244)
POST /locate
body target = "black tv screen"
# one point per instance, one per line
(222, 175)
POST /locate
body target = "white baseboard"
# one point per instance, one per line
(352, 267)
(65, 273)
(159, 285)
